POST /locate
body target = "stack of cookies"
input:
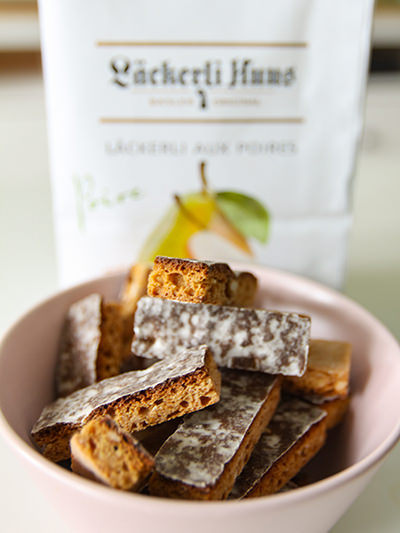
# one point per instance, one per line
(214, 399)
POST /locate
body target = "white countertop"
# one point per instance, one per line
(28, 270)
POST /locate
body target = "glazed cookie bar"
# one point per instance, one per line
(188, 280)
(153, 437)
(91, 344)
(135, 285)
(186, 382)
(134, 288)
(335, 408)
(249, 339)
(295, 434)
(328, 371)
(290, 485)
(102, 451)
(202, 459)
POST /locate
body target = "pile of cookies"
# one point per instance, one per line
(182, 389)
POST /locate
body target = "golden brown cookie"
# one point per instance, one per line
(135, 286)
(91, 346)
(335, 408)
(328, 371)
(102, 451)
(188, 280)
(183, 383)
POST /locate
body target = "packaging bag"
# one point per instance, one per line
(221, 129)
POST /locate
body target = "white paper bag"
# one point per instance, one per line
(217, 129)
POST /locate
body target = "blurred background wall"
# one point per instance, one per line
(19, 33)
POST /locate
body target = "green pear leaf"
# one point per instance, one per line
(245, 213)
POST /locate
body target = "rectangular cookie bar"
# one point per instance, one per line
(104, 452)
(243, 289)
(202, 459)
(91, 344)
(186, 382)
(327, 373)
(153, 437)
(335, 408)
(295, 434)
(290, 485)
(249, 339)
(188, 280)
(135, 286)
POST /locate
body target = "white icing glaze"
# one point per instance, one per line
(196, 454)
(253, 339)
(291, 421)
(76, 407)
(318, 399)
(196, 261)
(79, 346)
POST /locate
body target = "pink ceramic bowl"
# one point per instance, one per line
(340, 472)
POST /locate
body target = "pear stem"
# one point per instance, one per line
(204, 188)
(187, 213)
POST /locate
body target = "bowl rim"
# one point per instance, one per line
(35, 459)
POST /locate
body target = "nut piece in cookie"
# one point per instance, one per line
(91, 344)
(102, 451)
(202, 459)
(296, 432)
(188, 280)
(180, 384)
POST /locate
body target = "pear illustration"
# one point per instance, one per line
(232, 216)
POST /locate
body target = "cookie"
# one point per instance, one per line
(186, 382)
(188, 280)
(335, 408)
(134, 288)
(102, 451)
(202, 459)
(251, 339)
(91, 344)
(328, 371)
(296, 432)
